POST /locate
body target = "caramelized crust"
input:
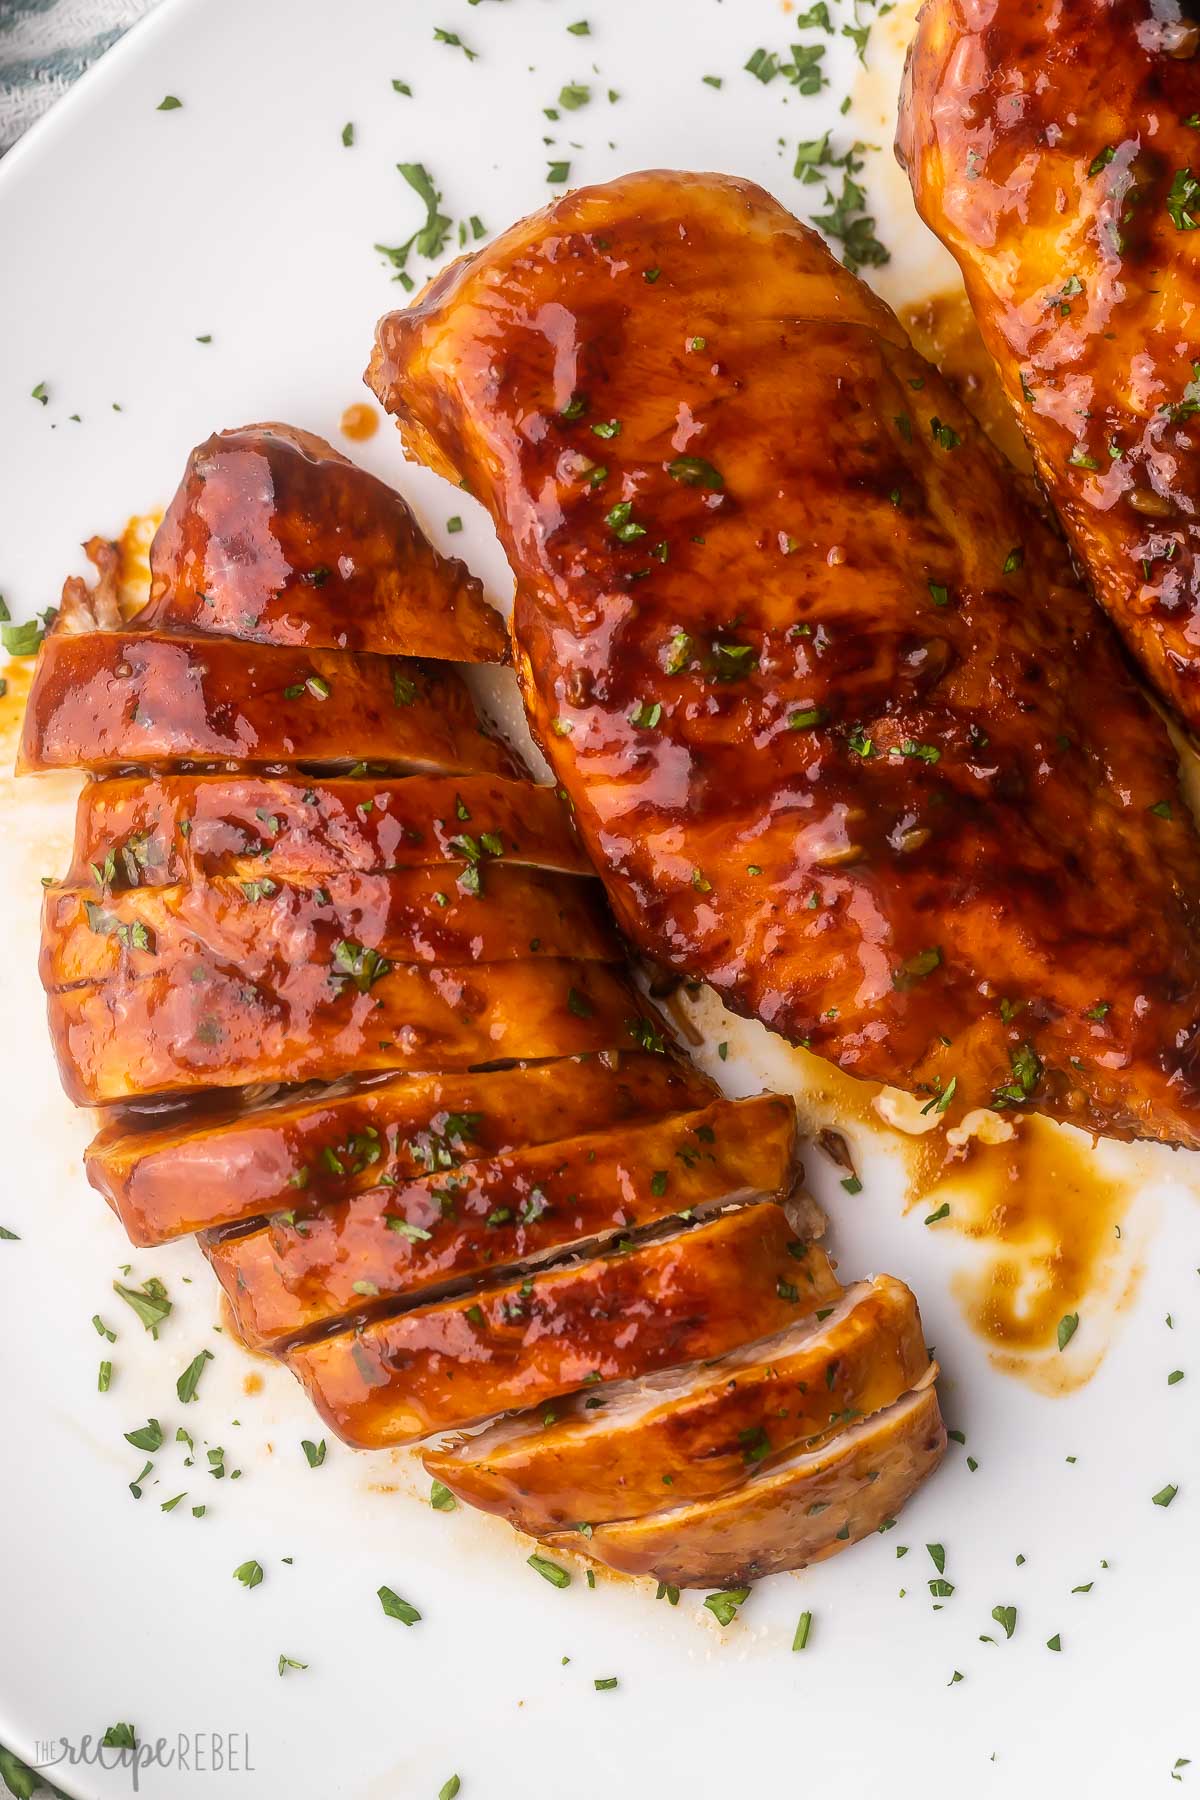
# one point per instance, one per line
(305, 1269)
(677, 1299)
(839, 731)
(1051, 146)
(711, 1428)
(458, 913)
(801, 1512)
(177, 827)
(194, 1025)
(275, 538)
(209, 1168)
(106, 700)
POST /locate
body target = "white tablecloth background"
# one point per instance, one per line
(45, 45)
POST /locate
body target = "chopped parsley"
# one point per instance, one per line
(549, 1571)
(149, 1302)
(396, 1608)
(189, 1381)
(916, 968)
(429, 239)
(364, 967)
(622, 525)
(1027, 1073)
(694, 471)
(1181, 199)
(441, 36)
(724, 1605)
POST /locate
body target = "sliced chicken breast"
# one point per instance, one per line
(274, 537)
(692, 1434)
(194, 1025)
(107, 700)
(799, 1512)
(692, 1295)
(202, 1168)
(179, 827)
(451, 914)
(305, 1268)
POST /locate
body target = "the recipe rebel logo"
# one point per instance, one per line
(188, 1752)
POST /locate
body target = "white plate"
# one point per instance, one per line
(129, 233)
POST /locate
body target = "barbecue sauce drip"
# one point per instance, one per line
(1047, 1218)
(359, 422)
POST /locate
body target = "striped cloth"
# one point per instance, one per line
(45, 45)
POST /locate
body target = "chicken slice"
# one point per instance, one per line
(176, 827)
(305, 1269)
(194, 1025)
(208, 1168)
(526, 1343)
(106, 700)
(711, 1427)
(453, 914)
(275, 537)
(1051, 146)
(798, 1512)
(839, 731)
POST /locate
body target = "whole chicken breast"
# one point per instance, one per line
(1052, 146)
(840, 730)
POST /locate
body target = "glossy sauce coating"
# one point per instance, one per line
(801, 1513)
(1052, 145)
(195, 1025)
(450, 1364)
(454, 914)
(710, 1428)
(178, 827)
(303, 1269)
(108, 700)
(258, 927)
(204, 1169)
(275, 538)
(838, 729)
